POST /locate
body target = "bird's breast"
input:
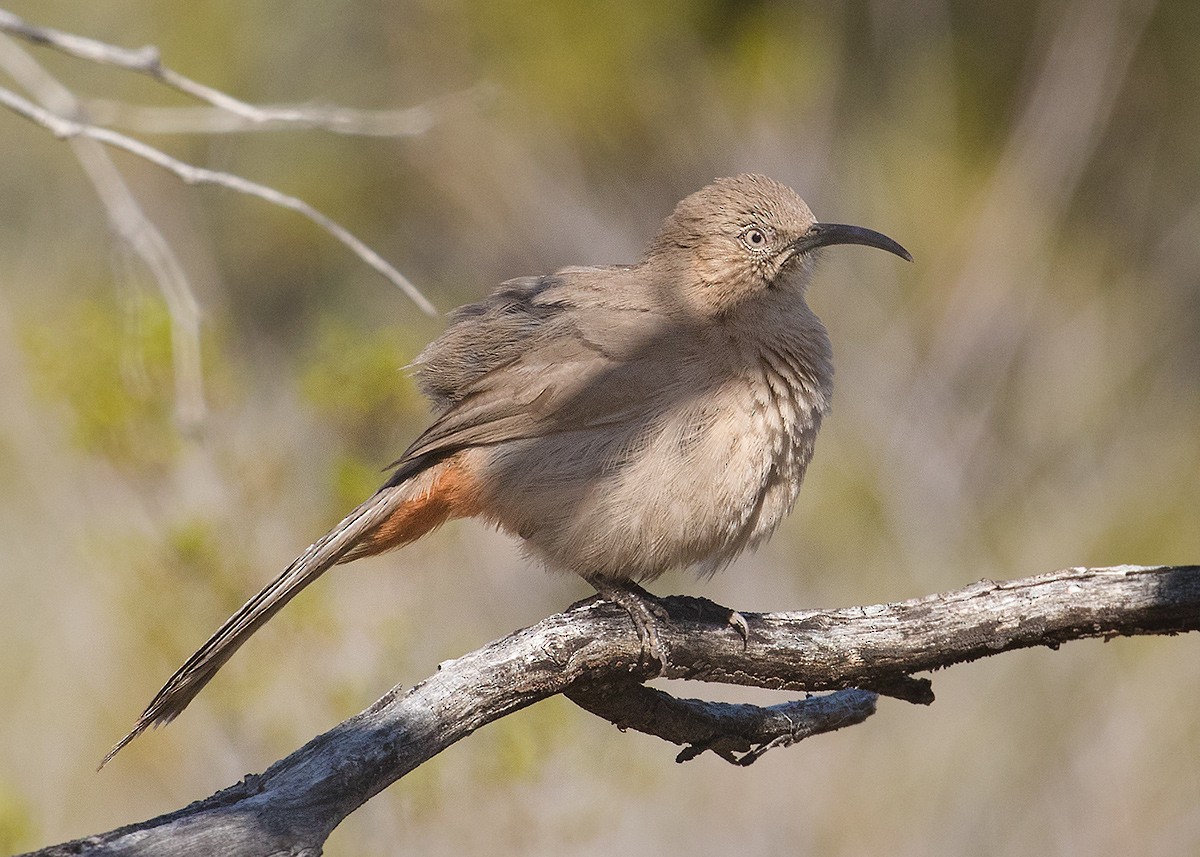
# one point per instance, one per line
(710, 472)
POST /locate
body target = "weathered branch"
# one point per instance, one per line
(591, 653)
(724, 728)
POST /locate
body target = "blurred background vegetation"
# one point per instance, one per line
(1025, 397)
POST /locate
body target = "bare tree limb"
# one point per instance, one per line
(128, 220)
(226, 114)
(229, 113)
(591, 653)
(145, 60)
(721, 727)
(190, 174)
(62, 114)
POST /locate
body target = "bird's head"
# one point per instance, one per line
(745, 236)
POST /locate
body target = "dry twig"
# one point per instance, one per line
(191, 174)
(131, 224)
(228, 114)
(66, 117)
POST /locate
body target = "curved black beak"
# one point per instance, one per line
(825, 234)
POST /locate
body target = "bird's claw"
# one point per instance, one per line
(644, 611)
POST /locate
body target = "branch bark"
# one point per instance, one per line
(591, 653)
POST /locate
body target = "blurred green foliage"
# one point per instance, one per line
(519, 747)
(16, 819)
(194, 565)
(613, 74)
(112, 367)
(354, 380)
(1023, 397)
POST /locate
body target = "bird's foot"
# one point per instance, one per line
(709, 610)
(644, 610)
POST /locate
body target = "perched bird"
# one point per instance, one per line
(621, 420)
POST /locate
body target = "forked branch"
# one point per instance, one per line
(53, 105)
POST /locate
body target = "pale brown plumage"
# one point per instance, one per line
(622, 420)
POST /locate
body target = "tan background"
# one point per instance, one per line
(1024, 397)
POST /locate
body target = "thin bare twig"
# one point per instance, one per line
(405, 122)
(230, 114)
(191, 174)
(144, 60)
(131, 224)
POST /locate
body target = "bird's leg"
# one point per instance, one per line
(643, 609)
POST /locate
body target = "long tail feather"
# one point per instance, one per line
(396, 514)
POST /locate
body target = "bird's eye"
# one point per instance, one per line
(754, 238)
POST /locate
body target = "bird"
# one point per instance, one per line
(620, 420)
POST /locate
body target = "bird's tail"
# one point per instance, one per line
(398, 513)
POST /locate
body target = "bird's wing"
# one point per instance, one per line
(581, 376)
(486, 335)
